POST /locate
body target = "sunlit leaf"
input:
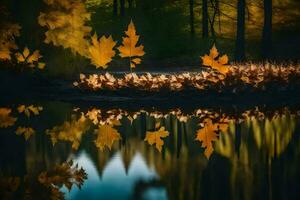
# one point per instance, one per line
(66, 22)
(101, 52)
(220, 64)
(155, 137)
(106, 136)
(6, 119)
(71, 131)
(28, 110)
(26, 131)
(129, 46)
(207, 135)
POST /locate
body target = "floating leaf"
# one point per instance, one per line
(154, 137)
(106, 136)
(207, 135)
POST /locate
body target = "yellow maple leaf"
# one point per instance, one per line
(71, 131)
(66, 23)
(32, 59)
(129, 48)
(5, 119)
(207, 135)
(35, 110)
(217, 64)
(101, 52)
(26, 131)
(154, 137)
(106, 136)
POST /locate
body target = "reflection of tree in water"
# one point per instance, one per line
(252, 148)
(43, 184)
(248, 145)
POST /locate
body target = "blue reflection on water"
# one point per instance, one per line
(114, 182)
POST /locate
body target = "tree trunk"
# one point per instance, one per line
(192, 28)
(204, 19)
(115, 7)
(122, 8)
(130, 4)
(267, 30)
(240, 34)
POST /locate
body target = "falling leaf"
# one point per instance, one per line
(106, 136)
(5, 119)
(26, 131)
(207, 135)
(154, 137)
(217, 64)
(66, 21)
(129, 46)
(101, 52)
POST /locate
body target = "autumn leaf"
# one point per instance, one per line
(32, 59)
(71, 131)
(5, 119)
(207, 135)
(129, 46)
(154, 137)
(66, 21)
(28, 110)
(66, 174)
(8, 32)
(106, 136)
(217, 64)
(101, 52)
(26, 131)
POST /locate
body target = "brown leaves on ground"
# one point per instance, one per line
(26, 131)
(101, 51)
(155, 137)
(217, 64)
(106, 136)
(129, 48)
(29, 110)
(6, 119)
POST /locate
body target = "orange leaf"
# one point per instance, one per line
(207, 135)
(219, 64)
(101, 51)
(106, 136)
(154, 137)
(128, 47)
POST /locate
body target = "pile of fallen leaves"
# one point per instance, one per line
(237, 77)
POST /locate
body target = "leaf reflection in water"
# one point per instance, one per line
(43, 185)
